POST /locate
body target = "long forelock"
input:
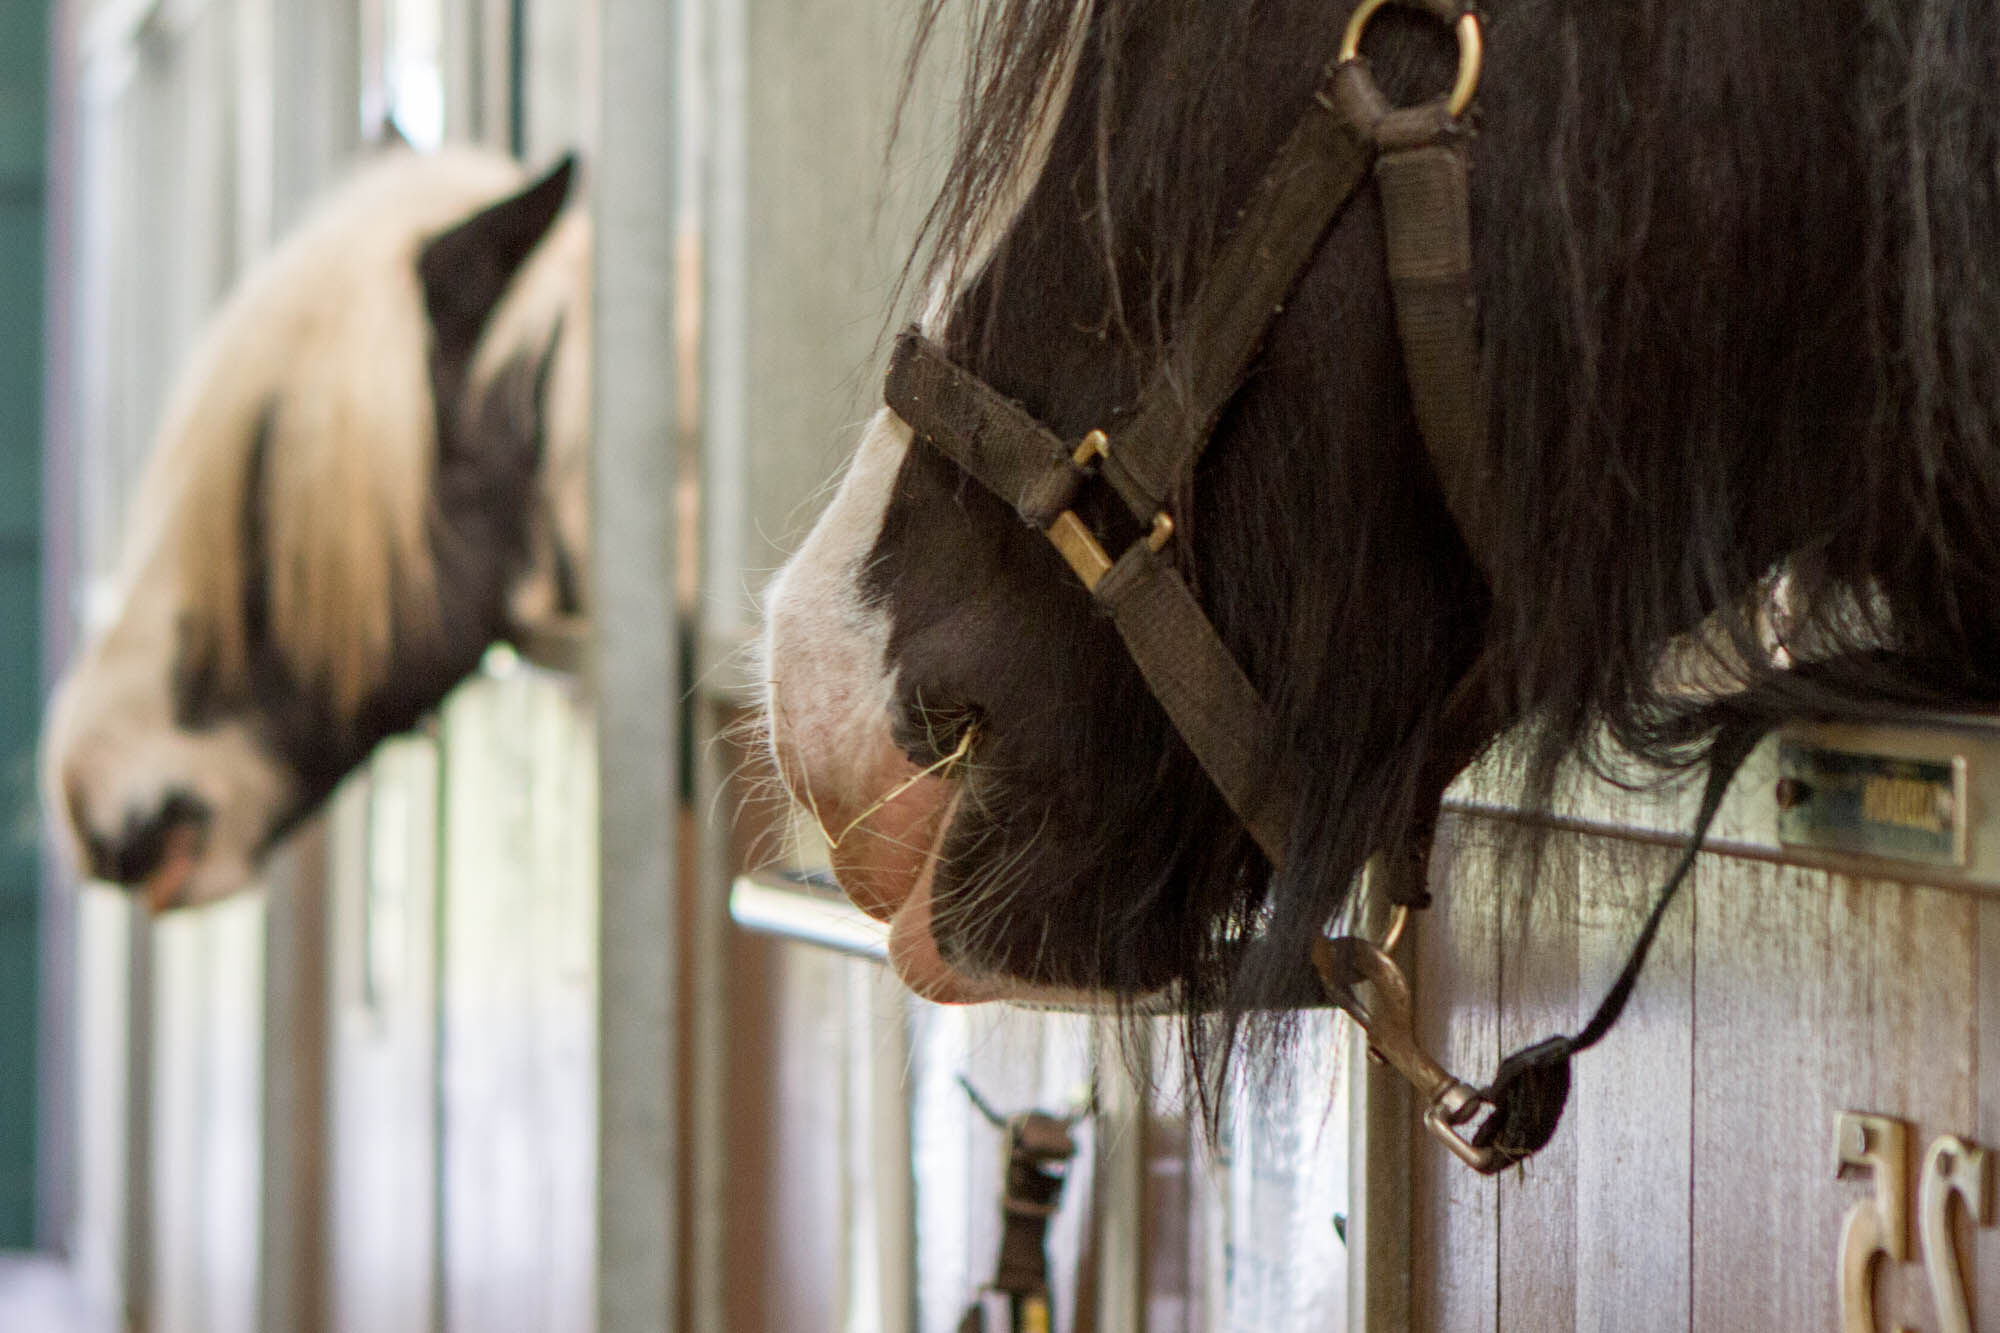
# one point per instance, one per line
(1017, 64)
(313, 385)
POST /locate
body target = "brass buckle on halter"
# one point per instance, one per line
(1343, 964)
(1074, 539)
(1470, 53)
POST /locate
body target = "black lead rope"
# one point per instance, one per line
(1531, 1087)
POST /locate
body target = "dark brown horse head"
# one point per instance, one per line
(1740, 306)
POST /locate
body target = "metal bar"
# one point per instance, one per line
(291, 1285)
(56, 1158)
(440, 1128)
(498, 109)
(1119, 1188)
(312, 74)
(637, 671)
(807, 910)
(708, 1066)
(316, 59)
(135, 1261)
(723, 622)
(1381, 1113)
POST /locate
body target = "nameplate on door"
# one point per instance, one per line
(1902, 809)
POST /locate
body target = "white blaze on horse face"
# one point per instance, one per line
(832, 688)
(832, 695)
(183, 813)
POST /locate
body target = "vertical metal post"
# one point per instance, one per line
(313, 65)
(135, 1260)
(723, 624)
(56, 1166)
(637, 669)
(291, 1291)
(1118, 1203)
(1380, 1115)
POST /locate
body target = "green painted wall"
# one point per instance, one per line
(24, 49)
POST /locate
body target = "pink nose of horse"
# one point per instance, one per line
(880, 824)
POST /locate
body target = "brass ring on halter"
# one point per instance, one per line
(1470, 53)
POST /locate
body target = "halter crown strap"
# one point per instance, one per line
(1422, 174)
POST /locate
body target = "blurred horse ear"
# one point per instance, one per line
(389, 137)
(466, 270)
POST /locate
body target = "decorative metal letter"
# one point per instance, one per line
(1952, 1168)
(1877, 1227)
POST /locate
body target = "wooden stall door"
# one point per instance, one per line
(1693, 1184)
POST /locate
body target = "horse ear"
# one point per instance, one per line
(465, 271)
(389, 137)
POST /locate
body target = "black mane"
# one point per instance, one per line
(1740, 282)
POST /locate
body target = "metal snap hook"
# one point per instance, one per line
(1389, 1024)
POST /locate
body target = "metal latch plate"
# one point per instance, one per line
(1898, 808)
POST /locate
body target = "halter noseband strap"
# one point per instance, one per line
(1183, 660)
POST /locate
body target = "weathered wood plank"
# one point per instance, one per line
(1454, 1250)
(1919, 1033)
(1781, 987)
(382, 1173)
(517, 1010)
(1817, 994)
(173, 1296)
(231, 1112)
(1539, 996)
(1986, 1078)
(1632, 1109)
(1695, 1183)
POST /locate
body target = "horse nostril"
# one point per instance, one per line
(100, 856)
(144, 842)
(929, 732)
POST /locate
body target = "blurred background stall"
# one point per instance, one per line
(438, 1072)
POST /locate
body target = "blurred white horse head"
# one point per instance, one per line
(371, 468)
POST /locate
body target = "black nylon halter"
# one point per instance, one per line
(1418, 157)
